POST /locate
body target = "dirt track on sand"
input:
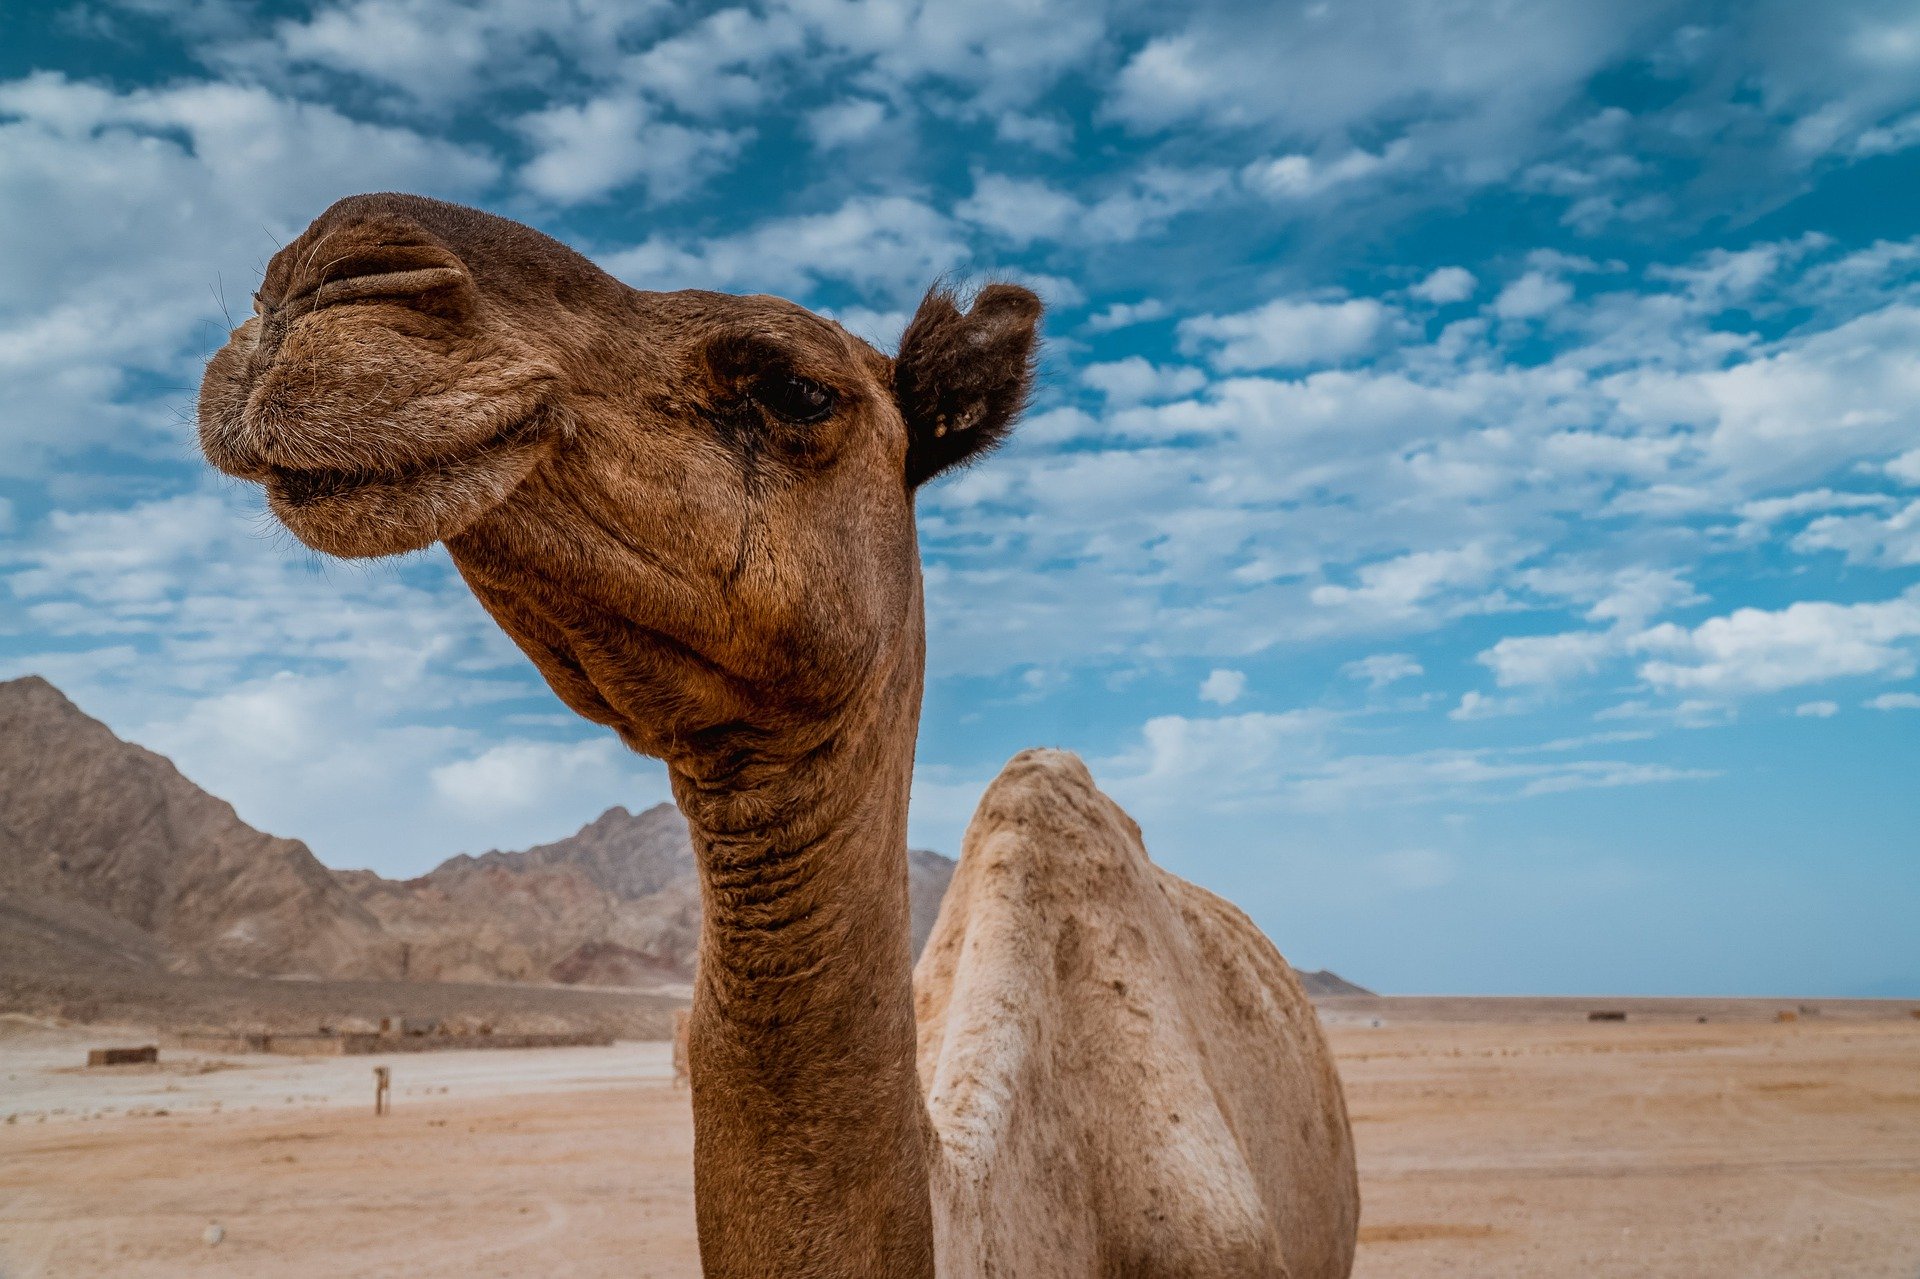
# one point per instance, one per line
(1527, 1146)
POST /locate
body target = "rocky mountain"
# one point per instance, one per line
(616, 903)
(110, 857)
(108, 850)
(1323, 983)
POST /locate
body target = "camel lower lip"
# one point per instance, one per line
(297, 488)
(357, 514)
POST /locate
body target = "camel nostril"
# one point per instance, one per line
(393, 269)
(403, 284)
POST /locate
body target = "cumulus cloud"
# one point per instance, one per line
(1800, 408)
(1533, 295)
(891, 247)
(1446, 285)
(1891, 541)
(1134, 380)
(510, 780)
(1121, 315)
(1401, 587)
(1382, 669)
(1321, 73)
(590, 151)
(434, 52)
(1303, 177)
(1523, 660)
(1289, 333)
(1223, 687)
(1024, 210)
(846, 123)
(1764, 650)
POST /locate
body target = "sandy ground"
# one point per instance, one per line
(1515, 1142)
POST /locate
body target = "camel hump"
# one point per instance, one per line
(1048, 798)
(1120, 1054)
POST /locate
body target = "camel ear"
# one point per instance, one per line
(962, 378)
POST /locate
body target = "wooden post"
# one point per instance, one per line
(682, 1020)
(381, 1079)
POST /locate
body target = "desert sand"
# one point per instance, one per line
(1497, 1138)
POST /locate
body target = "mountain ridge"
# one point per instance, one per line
(111, 858)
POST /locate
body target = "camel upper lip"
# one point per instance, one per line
(303, 486)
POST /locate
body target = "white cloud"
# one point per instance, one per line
(514, 778)
(1906, 467)
(589, 151)
(1382, 669)
(995, 53)
(1121, 315)
(1894, 702)
(437, 51)
(1020, 209)
(1303, 177)
(1322, 73)
(1764, 512)
(1534, 294)
(1401, 588)
(1231, 759)
(1289, 333)
(1026, 210)
(1446, 285)
(890, 247)
(1136, 381)
(1530, 660)
(1477, 705)
(1817, 710)
(1760, 650)
(1223, 687)
(1800, 409)
(1891, 541)
(846, 123)
(1891, 138)
(725, 61)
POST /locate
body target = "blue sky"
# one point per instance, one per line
(1470, 517)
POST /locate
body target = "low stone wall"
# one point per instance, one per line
(370, 1043)
(361, 1045)
(218, 1043)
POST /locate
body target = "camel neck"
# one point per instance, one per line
(811, 1142)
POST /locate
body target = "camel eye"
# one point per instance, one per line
(796, 399)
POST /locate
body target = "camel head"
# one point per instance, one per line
(694, 511)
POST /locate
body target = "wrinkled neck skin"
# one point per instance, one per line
(811, 1142)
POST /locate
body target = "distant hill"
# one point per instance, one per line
(615, 903)
(1324, 983)
(110, 859)
(107, 851)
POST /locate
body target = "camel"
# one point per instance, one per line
(695, 513)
